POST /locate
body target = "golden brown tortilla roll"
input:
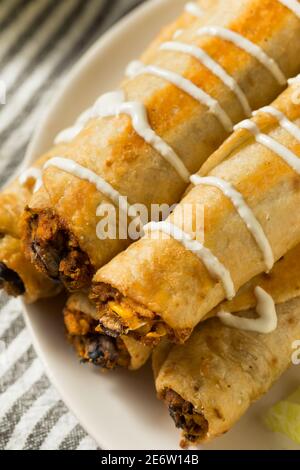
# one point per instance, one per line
(17, 275)
(210, 382)
(249, 70)
(95, 347)
(165, 287)
(81, 321)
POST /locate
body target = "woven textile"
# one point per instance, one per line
(40, 40)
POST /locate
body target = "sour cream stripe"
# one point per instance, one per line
(138, 68)
(216, 269)
(114, 104)
(103, 186)
(244, 212)
(199, 54)
(283, 152)
(194, 9)
(294, 80)
(66, 135)
(32, 173)
(248, 46)
(284, 122)
(265, 324)
(292, 5)
(177, 33)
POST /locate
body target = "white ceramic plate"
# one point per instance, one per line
(120, 409)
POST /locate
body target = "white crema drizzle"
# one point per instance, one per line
(138, 68)
(114, 104)
(292, 5)
(267, 321)
(283, 152)
(75, 169)
(34, 174)
(216, 269)
(177, 33)
(244, 212)
(248, 46)
(194, 9)
(199, 54)
(284, 122)
(294, 83)
(265, 308)
(294, 80)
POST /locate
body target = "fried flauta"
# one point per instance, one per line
(17, 274)
(210, 382)
(94, 347)
(143, 142)
(169, 281)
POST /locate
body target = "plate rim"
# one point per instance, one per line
(30, 156)
(88, 57)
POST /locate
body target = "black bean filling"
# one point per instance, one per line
(102, 351)
(55, 252)
(11, 281)
(184, 415)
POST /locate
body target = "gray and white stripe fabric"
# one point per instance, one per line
(40, 40)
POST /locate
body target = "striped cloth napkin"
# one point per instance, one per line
(39, 41)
